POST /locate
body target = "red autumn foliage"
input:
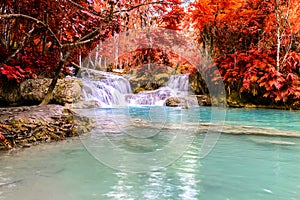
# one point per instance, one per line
(253, 72)
(254, 45)
(36, 34)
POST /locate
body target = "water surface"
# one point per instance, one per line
(239, 167)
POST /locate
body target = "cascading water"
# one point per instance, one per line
(155, 97)
(109, 90)
(177, 87)
(179, 83)
(113, 90)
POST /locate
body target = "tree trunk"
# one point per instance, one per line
(278, 48)
(49, 94)
(278, 19)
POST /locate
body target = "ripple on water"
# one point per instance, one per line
(239, 167)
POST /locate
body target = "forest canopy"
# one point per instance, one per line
(254, 43)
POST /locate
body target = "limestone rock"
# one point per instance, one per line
(34, 124)
(91, 74)
(10, 94)
(67, 90)
(191, 100)
(203, 100)
(173, 102)
(150, 82)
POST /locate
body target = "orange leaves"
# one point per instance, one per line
(173, 18)
(254, 72)
(100, 5)
(97, 7)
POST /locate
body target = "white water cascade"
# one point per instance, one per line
(179, 83)
(108, 91)
(177, 87)
(113, 90)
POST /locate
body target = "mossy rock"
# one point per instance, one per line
(33, 124)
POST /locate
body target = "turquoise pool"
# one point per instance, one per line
(238, 167)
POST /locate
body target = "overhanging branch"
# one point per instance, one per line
(14, 16)
(140, 5)
(21, 46)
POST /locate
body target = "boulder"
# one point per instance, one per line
(67, 90)
(173, 102)
(150, 82)
(191, 100)
(203, 100)
(33, 91)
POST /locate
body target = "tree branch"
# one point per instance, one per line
(78, 43)
(14, 16)
(48, 95)
(84, 8)
(140, 5)
(20, 47)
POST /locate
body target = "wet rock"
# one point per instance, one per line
(91, 74)
(203, 100)
(173, 102)
(187, 101)
(149, 82)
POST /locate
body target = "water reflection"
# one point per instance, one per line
(190, 183)
(181, 181)
(239, 167)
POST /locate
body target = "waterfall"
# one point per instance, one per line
(178, 85)
(179, 82)
(108, 90)
(113, 90)
(155, 97)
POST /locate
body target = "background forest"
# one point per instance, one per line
(254, 43)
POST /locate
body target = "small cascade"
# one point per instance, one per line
(118, 82)
(179, 83)
(102, 93)
(155, 97)
(109, 91)
(113, 90)
(177, 86)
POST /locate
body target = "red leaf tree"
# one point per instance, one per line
(255, 44)
(40, 37)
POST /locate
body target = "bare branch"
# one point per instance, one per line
(140, 5)
(14, 16)
(278, 15)
(287, 14)
(76, 65)
(78, 43)
(21, 45)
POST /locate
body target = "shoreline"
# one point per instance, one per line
(28, 126)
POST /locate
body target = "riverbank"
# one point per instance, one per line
(21, 127)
